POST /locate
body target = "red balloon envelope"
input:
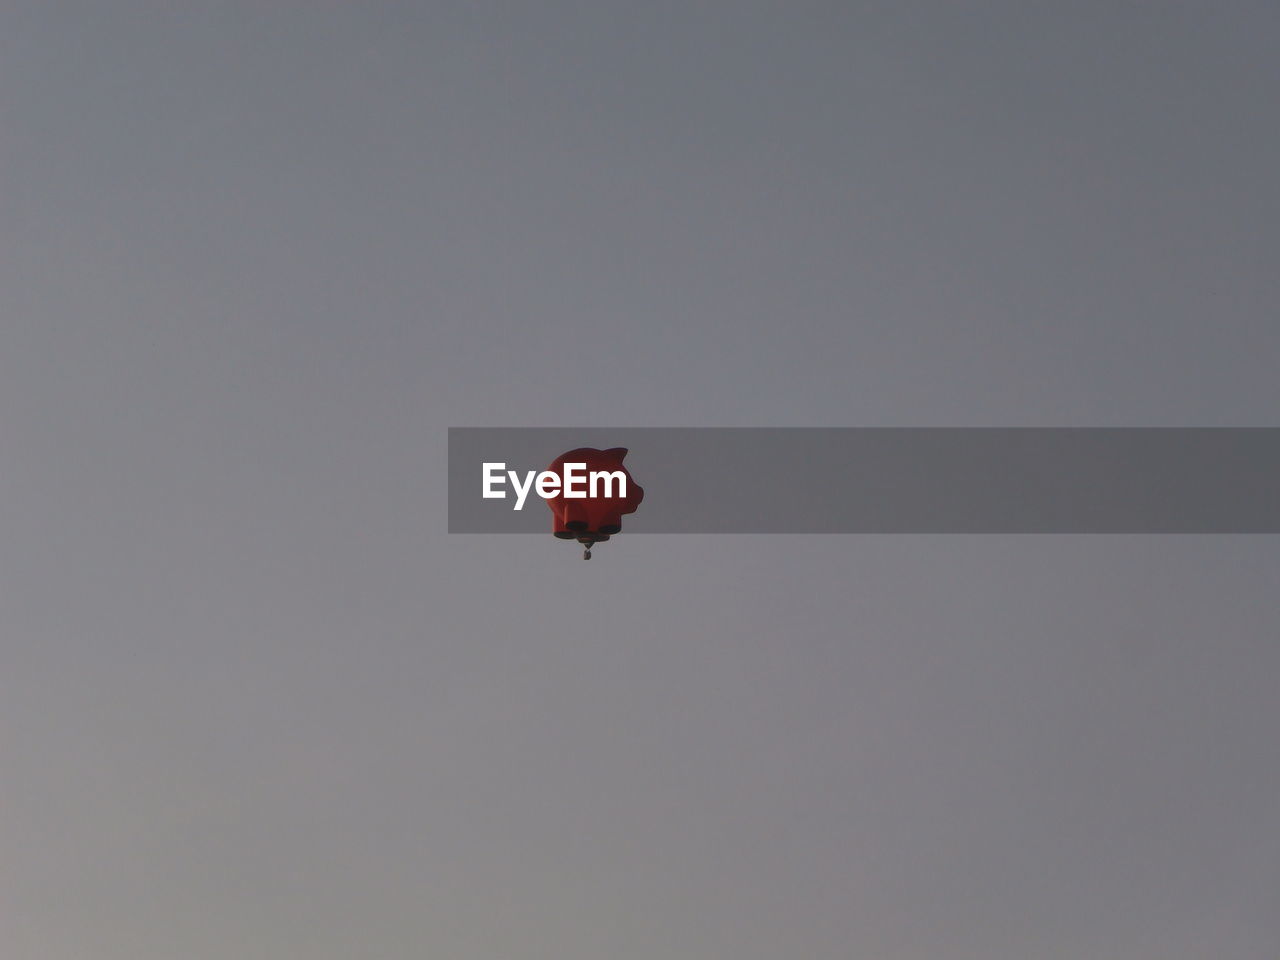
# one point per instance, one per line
(609, 492)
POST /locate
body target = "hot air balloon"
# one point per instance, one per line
(595, 491)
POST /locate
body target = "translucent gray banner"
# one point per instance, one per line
(897, 480)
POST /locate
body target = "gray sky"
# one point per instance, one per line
(256, 258)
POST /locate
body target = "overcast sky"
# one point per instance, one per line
(256, 258)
